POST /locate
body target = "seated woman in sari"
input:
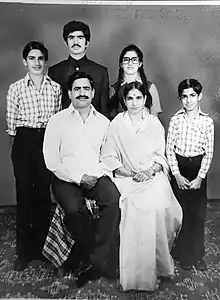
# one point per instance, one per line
(150, 213)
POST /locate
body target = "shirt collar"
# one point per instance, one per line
(182, 111)
(28, 80)
(73, 110)
(79, 62)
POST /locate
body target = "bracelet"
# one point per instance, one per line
(132, 173)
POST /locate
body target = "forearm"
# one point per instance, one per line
(155, 168)
(11, 138)
(122, 171)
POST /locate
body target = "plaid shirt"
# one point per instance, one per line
(28, 107)
(59, 241)
(190, 139)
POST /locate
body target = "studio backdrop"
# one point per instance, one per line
(177, 42)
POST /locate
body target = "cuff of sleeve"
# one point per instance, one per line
(11, 132)
(77, 177)
(202, 174)
(175, 172)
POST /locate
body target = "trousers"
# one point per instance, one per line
(97, 240)
(32, 180)
(189, 246)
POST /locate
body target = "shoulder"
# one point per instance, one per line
(206, 118)
(59, 117)
(155, 123)
(178, 115)
(16, 86)
(59, 65)
(116, 122)
(97, 66)
(151, 86)
(54, 84)
(103, 119)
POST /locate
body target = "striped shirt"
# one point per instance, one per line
(29, 107)
(190, 138)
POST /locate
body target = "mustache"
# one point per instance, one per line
(75, 45)
(82, 97)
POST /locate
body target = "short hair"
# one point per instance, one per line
(79, 75)
(141, 87)
(189, 83)
(76, 26)
(35, 45)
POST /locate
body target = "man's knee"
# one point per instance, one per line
(110, 191)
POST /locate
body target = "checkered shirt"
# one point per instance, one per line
(59, 241)
(190, 139)
(29, 107)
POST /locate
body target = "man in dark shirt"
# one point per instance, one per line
(76, 34)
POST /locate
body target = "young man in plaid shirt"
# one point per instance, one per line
(190, 143)
(31, 101)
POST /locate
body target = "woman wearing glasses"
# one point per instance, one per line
(131, 69)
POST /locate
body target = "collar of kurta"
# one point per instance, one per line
(77, 63)
(73, 110)
(182, 111)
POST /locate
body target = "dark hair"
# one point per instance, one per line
(189, 83)
(76, 26)
(79, 75)
(32, 46)
(141, 87)
(114, 103)
(134, 48)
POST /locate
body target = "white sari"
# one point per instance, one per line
(150, 213)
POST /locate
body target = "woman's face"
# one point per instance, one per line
(130, 63)
(135, 101)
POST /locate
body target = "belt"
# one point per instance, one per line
(42, 129)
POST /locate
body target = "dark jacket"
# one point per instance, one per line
(62, 70)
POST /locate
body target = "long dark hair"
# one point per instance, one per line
(134, 48)
(113, 104)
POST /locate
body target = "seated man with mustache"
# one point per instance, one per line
(72, 146)
(77, 35)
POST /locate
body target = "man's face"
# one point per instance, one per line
(81, 94)
(76, 43)
(35, 62)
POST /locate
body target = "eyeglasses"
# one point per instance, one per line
(126, 60)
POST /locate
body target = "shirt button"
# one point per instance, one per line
(77, 68)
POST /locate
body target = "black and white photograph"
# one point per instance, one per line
(110, 152)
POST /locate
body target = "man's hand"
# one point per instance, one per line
(88, 182)
(196, 183)
(182, 182)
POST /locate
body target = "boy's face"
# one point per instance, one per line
(35, 62)
(76, 43)
(190, 100)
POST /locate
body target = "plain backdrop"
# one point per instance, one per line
(177, 41)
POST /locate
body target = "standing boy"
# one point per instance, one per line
(76, 35)
(189, 151)
(31, 101)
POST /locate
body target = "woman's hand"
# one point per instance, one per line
(141, 176)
